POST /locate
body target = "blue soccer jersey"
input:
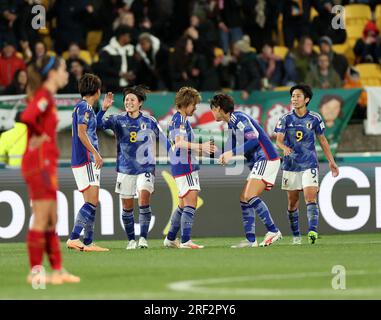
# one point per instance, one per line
(136, 137)
(249, 136)
(83, 114)
(182, 161)
(300, 137)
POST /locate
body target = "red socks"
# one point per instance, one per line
(38, 242)
(36, 247)
(53, 250)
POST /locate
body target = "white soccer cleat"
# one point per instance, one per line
(171, 243)
(190, 245)
(270, 238)
(143, 244)
(131, 245)
(245, 244)
(296, 240)
(75, 244)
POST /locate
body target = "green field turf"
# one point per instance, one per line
(281, 271)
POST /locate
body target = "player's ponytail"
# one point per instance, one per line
(38, 72)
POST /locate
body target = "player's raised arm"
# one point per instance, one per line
(109, 122)
(327, 151)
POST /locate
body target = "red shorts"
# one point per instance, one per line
(40, 174)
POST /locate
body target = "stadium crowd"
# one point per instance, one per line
(211, 45)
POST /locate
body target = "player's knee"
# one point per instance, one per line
(309, 200)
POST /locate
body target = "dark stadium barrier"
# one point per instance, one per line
(349, 203)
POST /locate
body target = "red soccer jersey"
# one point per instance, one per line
(39, 166)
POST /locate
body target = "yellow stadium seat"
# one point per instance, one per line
(280, 30)
(280, 51)
(370, 74)
(93, 39)
(313, 13)
(282, 88)
(354, 32)
(377, 14)
(346, 50)
(357, 14)
(84, 55)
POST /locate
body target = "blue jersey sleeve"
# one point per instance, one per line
(247, 132)
(108, 123)
(281, 125)
(83, 114)
(319, 127)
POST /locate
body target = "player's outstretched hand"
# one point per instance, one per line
(225, 158)
(98, 161)
(334, 169)
(108, 101)
(287, 151)
(208, 147)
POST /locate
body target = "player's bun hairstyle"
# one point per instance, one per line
(187, 96)
(89, 84)
(38, 72)
(307, 91)
(140, 91)
(224, 101)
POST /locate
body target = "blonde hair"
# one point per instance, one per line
(186, 96)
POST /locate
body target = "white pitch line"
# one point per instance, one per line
(198, 286)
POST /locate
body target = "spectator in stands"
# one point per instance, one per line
(116, 61)
(260, 20)
(128, 19)
(18, 84)
(271, 67)
(337, 61)
(72, 16)
(39, 51)
(203, 33)
(323, 76)
(352, 80)
(186, 66)
(74, 52)
(9, 11)
(244, 68)
(216, 75)
(296, 18)
(321, 25)
(298, 62)
(9, 64)
(77, 69)
(145, 12)
(152, 59)
(229, 22)
(368, 48)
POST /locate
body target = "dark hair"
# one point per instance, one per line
(139, 91)
(89, 84)
(224, 101)
(122, 30)
(38, 72)
(307, 91)
(330, 97)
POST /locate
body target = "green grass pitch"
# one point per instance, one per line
(281, 271)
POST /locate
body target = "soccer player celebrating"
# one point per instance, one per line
(296, 132)
(39, 167)
(184, 168)
(136, 136)
(86, 161)
(263, 162)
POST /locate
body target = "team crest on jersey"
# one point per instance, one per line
(240, 126)
(309, 125)
(143, 126)
(87, 116)
(42, 104)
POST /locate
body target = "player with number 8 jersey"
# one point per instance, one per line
(296, 132)
(136, 135)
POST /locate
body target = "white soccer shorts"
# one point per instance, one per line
(300, 180)
(127, 185)
(187, 183)
(266, 171)
(86, 176)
